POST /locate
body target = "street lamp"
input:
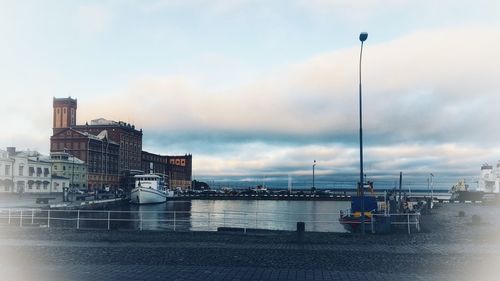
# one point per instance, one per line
(432, 189)
(362, 37)
(313, 187)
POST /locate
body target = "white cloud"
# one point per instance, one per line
(429, 99)
(93, 18)
(442, 83)
(426, 88)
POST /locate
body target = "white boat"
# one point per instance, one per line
(489, 179)
(149, 188)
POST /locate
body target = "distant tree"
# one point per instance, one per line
(199, 185)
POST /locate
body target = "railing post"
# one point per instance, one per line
(208, 222)
(48, 219)
(140, 220)
(109, 216)
(78, 220)
(32, 216)
(417, 223)
(372, 222)
(21, 219)
(174, 219)
(256, 220)
(408, 223)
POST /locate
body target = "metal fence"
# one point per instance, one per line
(191, 221)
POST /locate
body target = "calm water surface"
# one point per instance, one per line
(209, 214)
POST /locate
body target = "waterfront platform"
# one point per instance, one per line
(452, 247)
(46, 201)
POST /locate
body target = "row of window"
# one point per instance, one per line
(70, 168)
(31, 171)
(68, 145)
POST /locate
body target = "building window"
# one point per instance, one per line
(21, 170)
(46, 172)
(31, 171)
(38, 184)
(38, 171)
(7, 170)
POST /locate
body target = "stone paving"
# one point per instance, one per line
(450, 248)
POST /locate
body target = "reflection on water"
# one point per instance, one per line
(210, 214)
(192, 215)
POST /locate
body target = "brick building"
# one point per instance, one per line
(98, 152)
(111, 149)
(129, 139)
(178, 169)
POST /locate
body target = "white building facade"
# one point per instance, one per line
(28, 172)
(6, 176)
(67, 166)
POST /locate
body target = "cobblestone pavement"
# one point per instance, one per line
(451, 248)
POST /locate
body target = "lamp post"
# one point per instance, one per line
(362, 37)
(72, 185)
(314, 187)
(432, 190)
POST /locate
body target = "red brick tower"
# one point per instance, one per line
(64, 113)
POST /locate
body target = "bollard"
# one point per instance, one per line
(78, 220)
(476, 219)
(32, 216)
(301, 228)
(21, 219)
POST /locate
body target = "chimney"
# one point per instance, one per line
(11, 151)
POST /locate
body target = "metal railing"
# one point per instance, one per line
(190, 220)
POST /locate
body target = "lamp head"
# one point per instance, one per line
(363, 36)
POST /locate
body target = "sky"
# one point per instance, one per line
(254, 87)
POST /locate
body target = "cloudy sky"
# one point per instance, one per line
(260, 87)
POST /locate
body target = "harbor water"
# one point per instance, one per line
(210, 214)
(188, 215)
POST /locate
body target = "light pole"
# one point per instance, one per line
(313, 187)
(72, 177)
(432, 190)
(362, 37)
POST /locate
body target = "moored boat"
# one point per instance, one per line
(149, 189)
(461, 191)
(362, 210)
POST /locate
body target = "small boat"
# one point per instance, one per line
(149, 189)
(488, 186)
(352, 220)
(462, 193)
